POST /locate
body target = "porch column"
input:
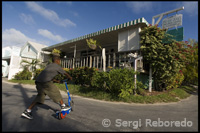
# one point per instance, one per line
(90, 61)
(94, 62)
(104, 59)
(73, 63)
(84, 62)
(87, 61)
(114, 59)
(97, 62)
(81, 62)
(109, 60)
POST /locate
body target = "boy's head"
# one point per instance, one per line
(56, 59)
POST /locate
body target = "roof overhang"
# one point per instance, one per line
(6, 58)
(104, 37)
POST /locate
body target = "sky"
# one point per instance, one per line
(53, 22)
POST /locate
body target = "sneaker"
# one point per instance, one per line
(65, 108)
(27, 114)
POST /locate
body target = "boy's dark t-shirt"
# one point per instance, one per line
(50, 72)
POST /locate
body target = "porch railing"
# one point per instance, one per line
(113, 60)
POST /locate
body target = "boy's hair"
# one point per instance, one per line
(55, 58)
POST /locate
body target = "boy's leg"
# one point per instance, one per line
(54, 93)
(32, 105)
(61, 102)
(27, 112)
(38, 99)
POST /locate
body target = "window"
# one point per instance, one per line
(29, 48)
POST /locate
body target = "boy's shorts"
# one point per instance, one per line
(47, 88)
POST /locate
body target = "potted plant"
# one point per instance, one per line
(56, 52)
(92, 44)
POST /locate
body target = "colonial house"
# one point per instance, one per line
(120, 43)
(32, 50)
(12, 57)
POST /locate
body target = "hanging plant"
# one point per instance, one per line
(92, 44)
(56, 52)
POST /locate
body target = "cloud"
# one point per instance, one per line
(139, 7)
(49, 14)
(50, 36)
(13, 37)
(75, 14)
(191, 8)
(27, 19)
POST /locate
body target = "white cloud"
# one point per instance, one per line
(75, 14)
(49, 14)
(139, 7)
(13, 37)
(50, 36)
(27, 19)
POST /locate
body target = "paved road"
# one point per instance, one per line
(95, 115)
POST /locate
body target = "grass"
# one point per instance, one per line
(31, 82)
(173, 95)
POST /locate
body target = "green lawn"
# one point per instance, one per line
(31, 82)
(173, 95)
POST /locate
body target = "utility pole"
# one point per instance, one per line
(153, 23)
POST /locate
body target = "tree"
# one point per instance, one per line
(26, 64)
(165, 59)
(190, 70)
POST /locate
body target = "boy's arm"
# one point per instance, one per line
(68, 76)
(56, 81)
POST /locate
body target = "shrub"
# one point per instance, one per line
(23, 75)
(99, 80)
(121, 82)
(37, 72)
(82, 75)
(176, 81)
(118, 82)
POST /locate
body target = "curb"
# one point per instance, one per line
(111, 102)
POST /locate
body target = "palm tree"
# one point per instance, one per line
(26, 64)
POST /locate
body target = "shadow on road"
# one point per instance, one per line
(11, 115)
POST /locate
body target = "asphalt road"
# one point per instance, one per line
(95, 115)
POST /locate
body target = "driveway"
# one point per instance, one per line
(95, 115)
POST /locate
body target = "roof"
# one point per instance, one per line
(98, 33)
(38, 47)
